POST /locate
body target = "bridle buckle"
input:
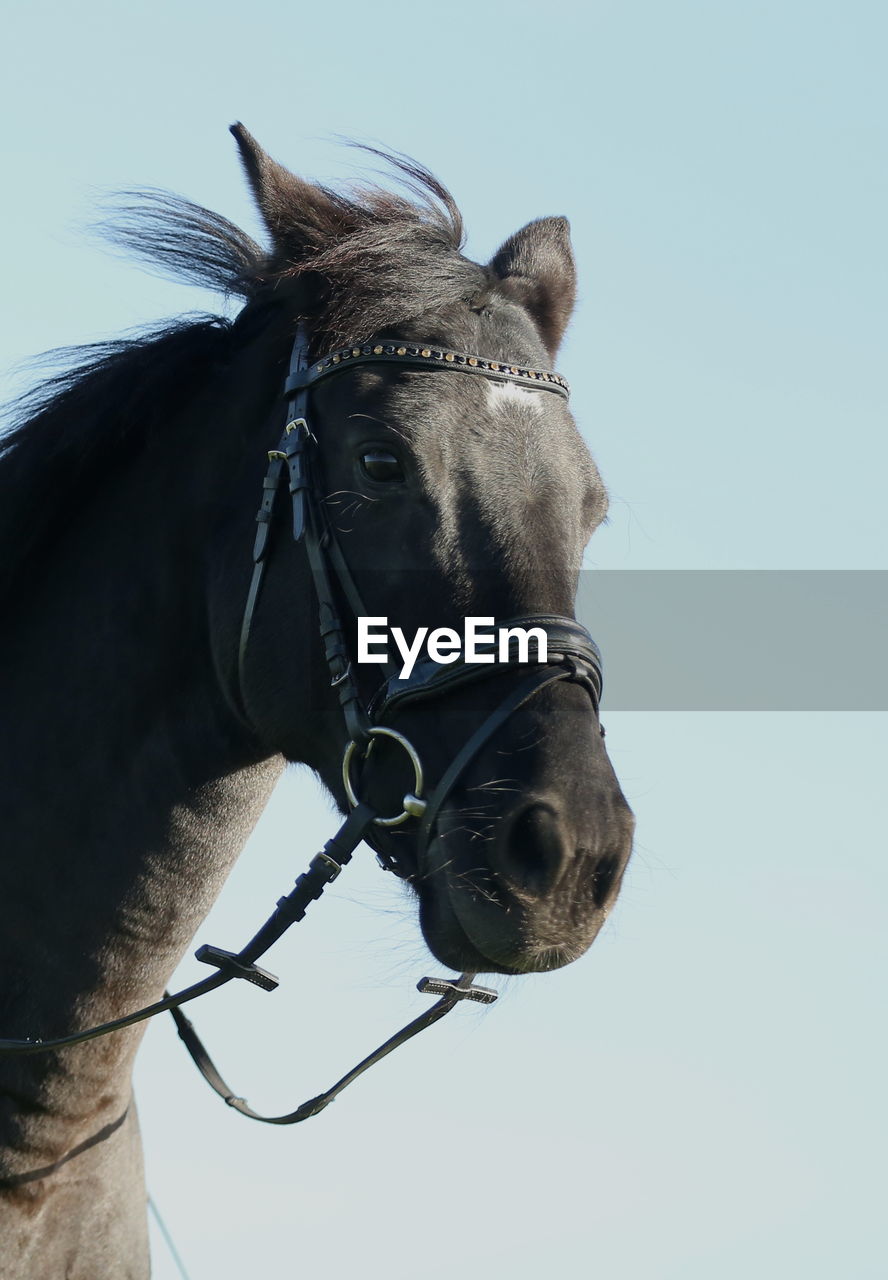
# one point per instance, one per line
(336, 681)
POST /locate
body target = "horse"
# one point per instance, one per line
(151, 714)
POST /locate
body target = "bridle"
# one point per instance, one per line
(572, 656)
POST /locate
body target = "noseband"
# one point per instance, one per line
(572, 655)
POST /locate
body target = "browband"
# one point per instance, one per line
(418, 356)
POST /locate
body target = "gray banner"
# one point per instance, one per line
(740, 640)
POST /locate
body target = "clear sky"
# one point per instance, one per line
(702, 1095)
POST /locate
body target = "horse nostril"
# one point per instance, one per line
(605, 874)
(533, 850)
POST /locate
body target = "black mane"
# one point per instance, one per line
(383, 258)
(81, 424)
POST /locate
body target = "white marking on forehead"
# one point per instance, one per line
(508, 395)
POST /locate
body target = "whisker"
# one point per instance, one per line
(513, 751)
(388, 426)
(354, 493)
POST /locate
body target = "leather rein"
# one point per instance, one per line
(572, 655)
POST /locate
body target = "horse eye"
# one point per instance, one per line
(381, 466)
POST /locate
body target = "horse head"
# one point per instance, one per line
(447, 498)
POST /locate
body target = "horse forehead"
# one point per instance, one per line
(503, 459)
(497, 424)
(526, 443)
(507, 399)
(524, 439)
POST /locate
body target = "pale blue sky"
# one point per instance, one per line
(701, 1096)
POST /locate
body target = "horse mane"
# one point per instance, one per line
(83, 423)
(383, 258)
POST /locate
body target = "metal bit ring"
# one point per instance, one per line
(414, 805)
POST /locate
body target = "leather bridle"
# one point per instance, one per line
(572, 656)
(571, 652)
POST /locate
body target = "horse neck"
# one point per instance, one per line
(130, 786)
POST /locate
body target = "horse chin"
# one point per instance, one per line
(474, 929)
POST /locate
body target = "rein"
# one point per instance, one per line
(572, 655)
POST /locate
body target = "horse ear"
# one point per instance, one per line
(536, 268)
(300, 216)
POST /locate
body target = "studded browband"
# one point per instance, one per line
(418, 356)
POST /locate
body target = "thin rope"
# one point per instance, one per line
(164, 1231)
